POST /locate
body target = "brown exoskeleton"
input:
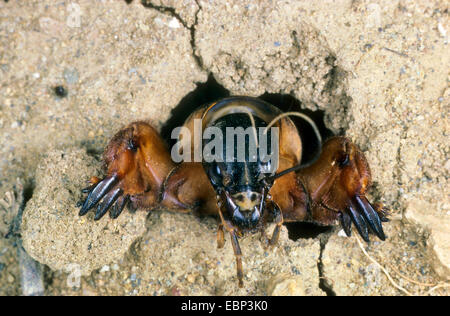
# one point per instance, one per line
(244, 193)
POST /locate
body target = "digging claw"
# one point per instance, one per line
(89, 188)
(118, 207)
(97, 193)
(346, 223)
(359, 221)
(371, 216)
(107, 202)
(364, 216)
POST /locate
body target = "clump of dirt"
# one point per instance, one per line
(52, 231)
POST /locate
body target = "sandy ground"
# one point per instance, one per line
(379, 71)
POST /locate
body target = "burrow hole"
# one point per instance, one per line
(211, 91)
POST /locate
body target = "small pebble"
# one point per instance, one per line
(423, 270)
(11, 278)
(442, 30)
(175, 291)
(190, 278)
(174, 24)
(295, 270)
(60, 91)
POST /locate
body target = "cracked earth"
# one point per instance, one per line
(377, 70)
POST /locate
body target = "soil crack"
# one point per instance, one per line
(192, 29)
(324, 284)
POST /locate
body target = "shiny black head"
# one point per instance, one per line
(234, 164)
